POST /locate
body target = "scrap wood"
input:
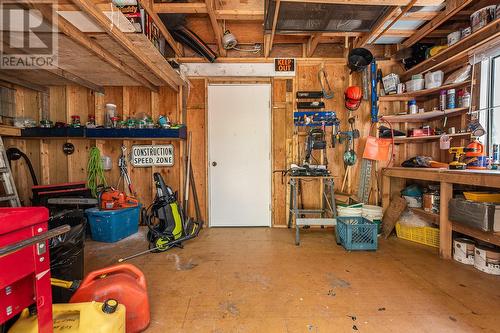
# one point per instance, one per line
(392, 214)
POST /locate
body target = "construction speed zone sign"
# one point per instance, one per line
(152, 155)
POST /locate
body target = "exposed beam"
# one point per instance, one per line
(180, 8)
(83, 40)
(273, 30)
(418, 16)
(373, 3)
(215, 27)
(312, 43)
(452, 7)
(168, 37)
(64, 74)
(404, 11)
(391, 12)
(239, 15)
(20, 82)
(438, 33)
(166, 73)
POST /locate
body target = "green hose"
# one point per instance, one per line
(95, 172)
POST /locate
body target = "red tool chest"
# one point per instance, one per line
(25, 274)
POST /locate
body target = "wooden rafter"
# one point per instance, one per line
(391, 12)
(253, 14)
(452, 7)
(404, 11)
(273, 30)
(312, 43)
(373, 3)
(215, 27)
(65, 27)
(168, 37)
(165, 73)
(239, 15)
(20, 82)
(64, 74)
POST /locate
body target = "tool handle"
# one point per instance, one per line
(128, 268)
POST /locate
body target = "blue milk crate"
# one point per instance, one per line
(113, 225)
(356, 233)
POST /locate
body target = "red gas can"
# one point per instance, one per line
(126, 284)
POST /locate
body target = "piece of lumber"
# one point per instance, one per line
(180, 7)
(239, 15)
(273, 29)
(95, 48)
(64, 74)
(391, 12)
(312, 43)
(452, 7)
(20, 82)
(215, 27)
(165, 73)
(393, 21)
(168, 37)
(445, 226)
(392, 214)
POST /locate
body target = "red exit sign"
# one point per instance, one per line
(284, 65)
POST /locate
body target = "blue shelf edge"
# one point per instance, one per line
(94, 133)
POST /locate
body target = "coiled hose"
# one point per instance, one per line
(95, 171)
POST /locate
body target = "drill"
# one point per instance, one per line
(458, 153)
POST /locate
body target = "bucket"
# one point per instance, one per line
(124, 283)
(487, 259)
(353, 210)
(463, 250)
(92, 317)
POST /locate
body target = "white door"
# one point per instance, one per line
(239, 140)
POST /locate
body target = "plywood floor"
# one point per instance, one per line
(257, 280)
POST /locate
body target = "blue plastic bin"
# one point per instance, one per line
(112, 225)
(356, 233)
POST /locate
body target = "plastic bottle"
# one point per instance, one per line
(451, 99)
(412, 107)
(442, 100)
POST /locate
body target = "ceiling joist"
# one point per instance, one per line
(273, 30)
(166, 73)
(391, 12)
(452, 7)
(215, 27)
(372, 3)
(404, 11)
(312, 44)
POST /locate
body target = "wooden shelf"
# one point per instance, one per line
(458, 50)
(410, 139)
(423, 117)
(421, 93)
(6, 130)
(488, 237)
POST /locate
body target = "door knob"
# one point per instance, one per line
(214, 163)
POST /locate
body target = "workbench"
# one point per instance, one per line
(393, 182)
(327, 206)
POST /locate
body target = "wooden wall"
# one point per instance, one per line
(288, 148)
(52, 166)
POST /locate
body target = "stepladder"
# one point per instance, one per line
(8, 191)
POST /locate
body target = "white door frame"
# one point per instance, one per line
(209, 167)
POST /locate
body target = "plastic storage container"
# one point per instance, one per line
(434, 79)
(415, 85)
(124, 283)
(78, 317)
(356, 233)
(112, 225)
(423, 235)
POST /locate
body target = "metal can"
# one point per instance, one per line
(450, 99)
(442, 100)
(495, 153)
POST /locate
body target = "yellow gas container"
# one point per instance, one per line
(89, 317)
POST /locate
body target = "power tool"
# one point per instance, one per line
(458, 154)
(110, 199)
(315, 141)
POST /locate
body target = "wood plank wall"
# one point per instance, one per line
(285, 151)
(52, 166)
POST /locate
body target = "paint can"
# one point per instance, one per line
(454, 37)
(431, 202)
(487, 259)
(463, 250)
(482, 17)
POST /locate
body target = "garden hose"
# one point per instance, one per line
(95, 171)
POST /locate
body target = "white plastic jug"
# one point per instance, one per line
(444, 141)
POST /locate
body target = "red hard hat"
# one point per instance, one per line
(353, 96)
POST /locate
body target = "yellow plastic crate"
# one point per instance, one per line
(423, 235)
(482, 196)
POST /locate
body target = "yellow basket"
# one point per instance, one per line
(482, 196)
(423, 235)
